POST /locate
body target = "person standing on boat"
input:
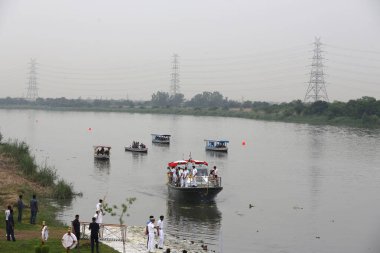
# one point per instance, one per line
(185, 177)
(180, 176)
(194, 174)
(160, 226)
(174, 174)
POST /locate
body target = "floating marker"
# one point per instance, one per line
(243, 143)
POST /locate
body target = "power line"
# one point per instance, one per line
(175, 75)
(317, 89)
(32, 93)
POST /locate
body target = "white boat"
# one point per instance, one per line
(200, 188)
(161, 138)
(217, 145)
(102, 152)
(137, 147)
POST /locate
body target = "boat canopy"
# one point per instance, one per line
(183, 162)
(219, 141)
(102, 146)
(162, 135)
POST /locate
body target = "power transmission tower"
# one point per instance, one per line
(317, 89)
(175, 75)
(32, 93)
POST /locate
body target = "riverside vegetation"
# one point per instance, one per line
(19, 174)
(362, 112)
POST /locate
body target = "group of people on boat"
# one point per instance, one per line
(103, 151)
(136, 144)
(162, 137)
(187, 176)
(220, 145)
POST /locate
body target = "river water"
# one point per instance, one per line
(313, 188)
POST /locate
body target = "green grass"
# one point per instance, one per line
(54, 244)
(43, 175)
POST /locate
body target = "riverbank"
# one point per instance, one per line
(246, 113)
(14, 182)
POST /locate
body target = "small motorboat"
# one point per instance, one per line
(161, 138)
(102, 152)
(217, 145)
(137, 147)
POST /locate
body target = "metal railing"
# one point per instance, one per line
(198, 181)
(107, 232)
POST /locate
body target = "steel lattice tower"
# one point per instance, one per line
(317, 89)
(32, 93)
(175, 75)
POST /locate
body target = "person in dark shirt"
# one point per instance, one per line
(33, 210)
(76, 228)
(10, 225)
(20, 207)
(94, 227)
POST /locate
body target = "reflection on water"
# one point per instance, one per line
(198, 222)
(215, 154)
(161, 145)
(62, 204)
(102, 166)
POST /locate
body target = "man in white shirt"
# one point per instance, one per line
(194, 175)
(7, 213)
(160, 225)
(99, 212)
(151, 229)
(185, 176)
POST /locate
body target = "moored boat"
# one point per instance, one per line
(161, 138)
(190, 180)
(102, 152)
(217, 145)
(137, 147)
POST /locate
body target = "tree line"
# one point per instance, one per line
(365, 109)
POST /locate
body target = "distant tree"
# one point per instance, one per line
(336, 109)
(207, 99)
(177, 99)
(318, 107)
(160, 99)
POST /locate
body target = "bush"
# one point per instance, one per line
(63, 190)
(46, 176)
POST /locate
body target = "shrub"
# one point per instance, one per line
(63, 190)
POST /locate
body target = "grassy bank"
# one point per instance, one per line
(20, 175)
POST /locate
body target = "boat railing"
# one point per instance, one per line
(198, 181)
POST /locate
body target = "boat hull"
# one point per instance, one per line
(161, 142)
(225, 150)
(136, 150)
(102, 157)
(193, 194)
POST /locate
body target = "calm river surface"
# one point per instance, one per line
(314, 188)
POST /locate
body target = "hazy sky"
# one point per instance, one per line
(247, 49)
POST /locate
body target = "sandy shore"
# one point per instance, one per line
(136, 243)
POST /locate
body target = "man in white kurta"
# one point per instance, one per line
(194, 175)
(185, 176)
(160, 225)
(151, 229)
(99, 212)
